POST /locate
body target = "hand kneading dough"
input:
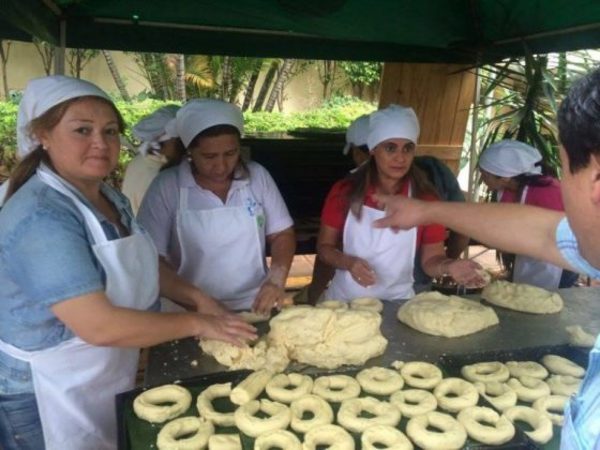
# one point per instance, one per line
(522, 297)
(326, 338)
(320, 337)
(449, 316)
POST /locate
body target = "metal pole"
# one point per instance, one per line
(473, 147)
(59, 56)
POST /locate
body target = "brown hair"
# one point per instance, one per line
(367, 175)
(46, 122)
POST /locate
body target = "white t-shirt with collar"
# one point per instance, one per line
(158, 211)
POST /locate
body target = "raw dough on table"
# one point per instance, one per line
(579, 337)
(522, 297)
(449, 316)
(320, 337)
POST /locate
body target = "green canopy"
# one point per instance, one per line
(461, 31)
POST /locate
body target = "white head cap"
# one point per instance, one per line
(357, 133)
(200, 114)
(42, 94)
(509, 158)
(151, 130)
(393, 122)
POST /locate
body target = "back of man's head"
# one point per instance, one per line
(579, 121)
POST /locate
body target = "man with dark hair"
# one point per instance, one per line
(569, 240)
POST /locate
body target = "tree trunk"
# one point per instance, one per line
(251, 86)
(180, 78)
(46, 52)
(264, 89)
(279, 83)
(4, 59)
(114, 71)
(225, 78)
(165, 74)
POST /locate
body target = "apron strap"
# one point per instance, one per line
(52, 180)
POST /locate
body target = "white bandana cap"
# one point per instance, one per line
(200, 114)
(509, 158)
(393, 122)
(39, 96)
(357, 133)
(151, 130)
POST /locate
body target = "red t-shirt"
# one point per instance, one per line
(548, 196)
(336, 208)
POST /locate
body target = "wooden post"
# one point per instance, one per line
(441, 95)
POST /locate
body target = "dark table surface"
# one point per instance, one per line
(183, 359)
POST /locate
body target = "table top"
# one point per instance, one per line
(178, 360)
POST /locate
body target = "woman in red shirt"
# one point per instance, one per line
(379, 262)
(513, 171)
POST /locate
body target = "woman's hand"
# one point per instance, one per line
(227, 327)
(269, 296)
(361, 272)
(466, 272)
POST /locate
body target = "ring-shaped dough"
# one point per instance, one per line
(465, 394)
(333, 304)
(529, 389)
(549, 405)
(389, 437)
(541, 424)
(486, 372)
(414, 402)
(205, 405)
(246, 420)
(562, 366)
(169, 436)
(286, 388)
(498, 394)
(277, 439)
(162, 403)
(421, 375)
(336, 388)
(332, 436)
(321, 411)
(529, 368)
(379, 380)
(486, 425)
(563, 384)
(453, 435)
(382, 413)
(225, 442)
(367, 304)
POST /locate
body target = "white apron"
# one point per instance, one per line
(222, 249)
(75, 383)
(533, 271)
(391, 255)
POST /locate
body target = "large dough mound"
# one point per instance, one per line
(328, 338)
(448, 316)
(522, 297)
(317, 336)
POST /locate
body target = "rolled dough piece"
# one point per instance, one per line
(522, 297)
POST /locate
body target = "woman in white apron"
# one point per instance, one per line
(212, 216)
(379, 263)
(513, 171)
(67, 347)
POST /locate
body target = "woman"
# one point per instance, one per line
(212, 216)
(513, 171)
(379, 263)
(158, 150)
(79, 277)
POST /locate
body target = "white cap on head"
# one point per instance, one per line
(393, 122)
(509, 158)
(151, 130)
(357, 133)
(200, 114)
(39, 96)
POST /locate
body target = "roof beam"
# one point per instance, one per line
(39, 19)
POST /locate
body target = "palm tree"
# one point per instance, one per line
(114, 71)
